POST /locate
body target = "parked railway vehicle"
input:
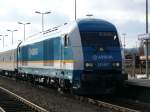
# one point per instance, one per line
(84, 56)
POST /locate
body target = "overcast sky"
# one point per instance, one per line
(127, 15)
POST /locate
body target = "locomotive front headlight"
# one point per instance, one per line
(101, 49)
(116, 64)
(87, 64)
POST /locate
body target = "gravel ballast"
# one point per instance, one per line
(48, 98)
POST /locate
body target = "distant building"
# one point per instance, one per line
(143, 57)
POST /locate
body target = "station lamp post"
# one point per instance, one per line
(89, 15)
(12, 31)
(0, 39)
(3, 39)
(146, 16)
(124, 41)
(75, 9)
(24, 24)
(42, 13)
(147, 40)
(19, 40)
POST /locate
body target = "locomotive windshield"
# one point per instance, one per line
(100, 38)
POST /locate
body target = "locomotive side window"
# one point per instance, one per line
(66, 40)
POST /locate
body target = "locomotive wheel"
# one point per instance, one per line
(61, 86)
(62, 83)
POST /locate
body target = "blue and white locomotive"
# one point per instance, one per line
(84, 56)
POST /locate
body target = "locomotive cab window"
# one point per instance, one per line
(100, 38)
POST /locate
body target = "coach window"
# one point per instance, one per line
(66, 40)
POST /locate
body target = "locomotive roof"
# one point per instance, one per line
(95, 25)
(51, 33)
(84, 25)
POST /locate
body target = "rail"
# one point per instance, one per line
(33, 106)
(2, 110)
(111, 106)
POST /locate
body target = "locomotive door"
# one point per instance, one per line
(63, 47)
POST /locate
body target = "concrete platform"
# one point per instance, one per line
(138, 82)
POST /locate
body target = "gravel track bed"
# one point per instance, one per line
(48, 98)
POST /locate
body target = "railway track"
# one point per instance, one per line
(10, 102)
(1, 109)
(115, 107)
(110, 106)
